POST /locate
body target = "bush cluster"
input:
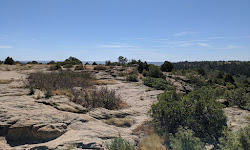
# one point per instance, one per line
(236, 141)
(157, 83)
(196, 111)
(185, 139)
(132, 78)
(59, 80)
(95, 98)
(118, 143)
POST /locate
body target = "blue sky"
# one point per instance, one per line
(151, 30)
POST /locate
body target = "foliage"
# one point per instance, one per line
(52, 62)
(99, 98)
(132, 78)
(201, 71)
(59, 80)
(239, 97)
(9, 61)
(229, 78)
(167, 66)
(68, 66)
(157, 83)
(155, 72)
(32, 91)
(80, 67)
(55, 67)
(235, 68)
(152, 142)
(73, 59)
(108, 63)
(185, 139)
(118, 143)
(197, 110)
(87, 63)
(196, 81)
(236, 141)
(122, 60)
(94, 63)
(32, 62)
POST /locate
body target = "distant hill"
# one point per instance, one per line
(235, 68)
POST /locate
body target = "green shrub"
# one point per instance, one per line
(119, 143)
(68, 66)
(239, 97)
(73, 61)
(157, 83)
(55, 67)
(94, 63)
(184, 139)
(167, 66)
(236, 141)
(201, 71)
(196, 111)
(52, 62)
(32, 91)
(9, 61)
(79, 68)
(132, 78)
(144, 73)
(229, 78)
(155, 72)
(197, 81)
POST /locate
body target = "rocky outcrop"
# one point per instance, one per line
(27, 133)
(102, 113)
(64, 104)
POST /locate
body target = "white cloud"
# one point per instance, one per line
(230, 47)
(203, 44)
(183, 33)
(227, 37)
(6, 47)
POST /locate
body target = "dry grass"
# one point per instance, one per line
(120, 122)
(146, 128)
(105, 82)
(152, 142)
(100, 67)
(6, 81)
(63, 92)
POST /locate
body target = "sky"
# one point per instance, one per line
(150, 30)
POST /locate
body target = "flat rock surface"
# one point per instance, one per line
(56, 122)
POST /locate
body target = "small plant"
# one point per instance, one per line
(68, 66)
(152, 142)
(79, 68)
(100, 67)
(118, 143)
(32, 91)
(132, 78)
(184, 139)
(55, 67)
(48, 93)
(157, 83)
(120, 122)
